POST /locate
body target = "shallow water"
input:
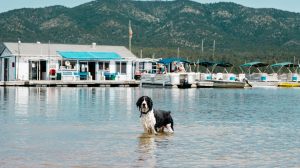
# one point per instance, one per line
(100, 127)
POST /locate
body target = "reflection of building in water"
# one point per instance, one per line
(21, 98)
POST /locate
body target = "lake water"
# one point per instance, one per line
(100, 127)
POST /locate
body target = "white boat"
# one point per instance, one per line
(287, 74)
(218, 80)
(258, 75)
(169, 76)
(181, 80)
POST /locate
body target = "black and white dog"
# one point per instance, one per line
(153, 120)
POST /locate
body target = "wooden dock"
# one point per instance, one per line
(81, 83)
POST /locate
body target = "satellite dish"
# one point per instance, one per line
(67, 63)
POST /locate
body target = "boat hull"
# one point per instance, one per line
(180, 80)
(220, 84)
(263, 83)
(289, 84)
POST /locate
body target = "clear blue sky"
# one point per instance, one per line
(289, 5)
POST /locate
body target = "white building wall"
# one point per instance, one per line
(12, 70)
(1, 69)
(129, 70)
(23, 70)
(112, 66)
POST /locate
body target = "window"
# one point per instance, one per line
(121, 67)
(141, 66)
(103, 65)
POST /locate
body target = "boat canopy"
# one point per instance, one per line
(205, 63)
(170, 60)
(223, 64)
(285, 64)
(255, 64)
(89, 55)
(209, 64)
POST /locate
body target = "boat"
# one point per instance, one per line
(287, 74)
(169, 72)
(224, 79)
(288, 84)
(144, 65)
(257, 75)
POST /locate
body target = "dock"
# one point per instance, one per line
(81, 83)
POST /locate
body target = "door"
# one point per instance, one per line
(92, 69)
(6, 69)
(43, 70)
(33, 70)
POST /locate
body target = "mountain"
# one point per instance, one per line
(160, 27)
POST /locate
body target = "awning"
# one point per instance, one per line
(89, 55)
(255, 64)
(170, 60)
(285, 64)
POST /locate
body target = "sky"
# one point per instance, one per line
(287, 5)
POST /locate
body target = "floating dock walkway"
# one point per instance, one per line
(82, 83)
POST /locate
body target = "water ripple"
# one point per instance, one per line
(100, 127)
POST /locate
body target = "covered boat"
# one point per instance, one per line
(287, 74)
(257, 75)
(220, 79)
(170, 72)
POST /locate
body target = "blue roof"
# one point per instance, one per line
(89, 55)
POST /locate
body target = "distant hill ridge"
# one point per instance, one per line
(160, 27)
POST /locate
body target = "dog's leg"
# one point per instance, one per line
(169, 128)
(146, 130)
(161, 129)
(154, 131)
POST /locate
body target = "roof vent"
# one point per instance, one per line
(94, 45)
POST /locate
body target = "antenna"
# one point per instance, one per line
(18, 60)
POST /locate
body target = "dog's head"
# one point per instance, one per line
(144, 104)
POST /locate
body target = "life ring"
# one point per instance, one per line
(52, 72)
(67, 63)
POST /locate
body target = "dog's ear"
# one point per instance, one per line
(139, 102)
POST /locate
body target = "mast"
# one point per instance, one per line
(214, 47)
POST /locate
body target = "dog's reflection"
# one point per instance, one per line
(147, 148)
